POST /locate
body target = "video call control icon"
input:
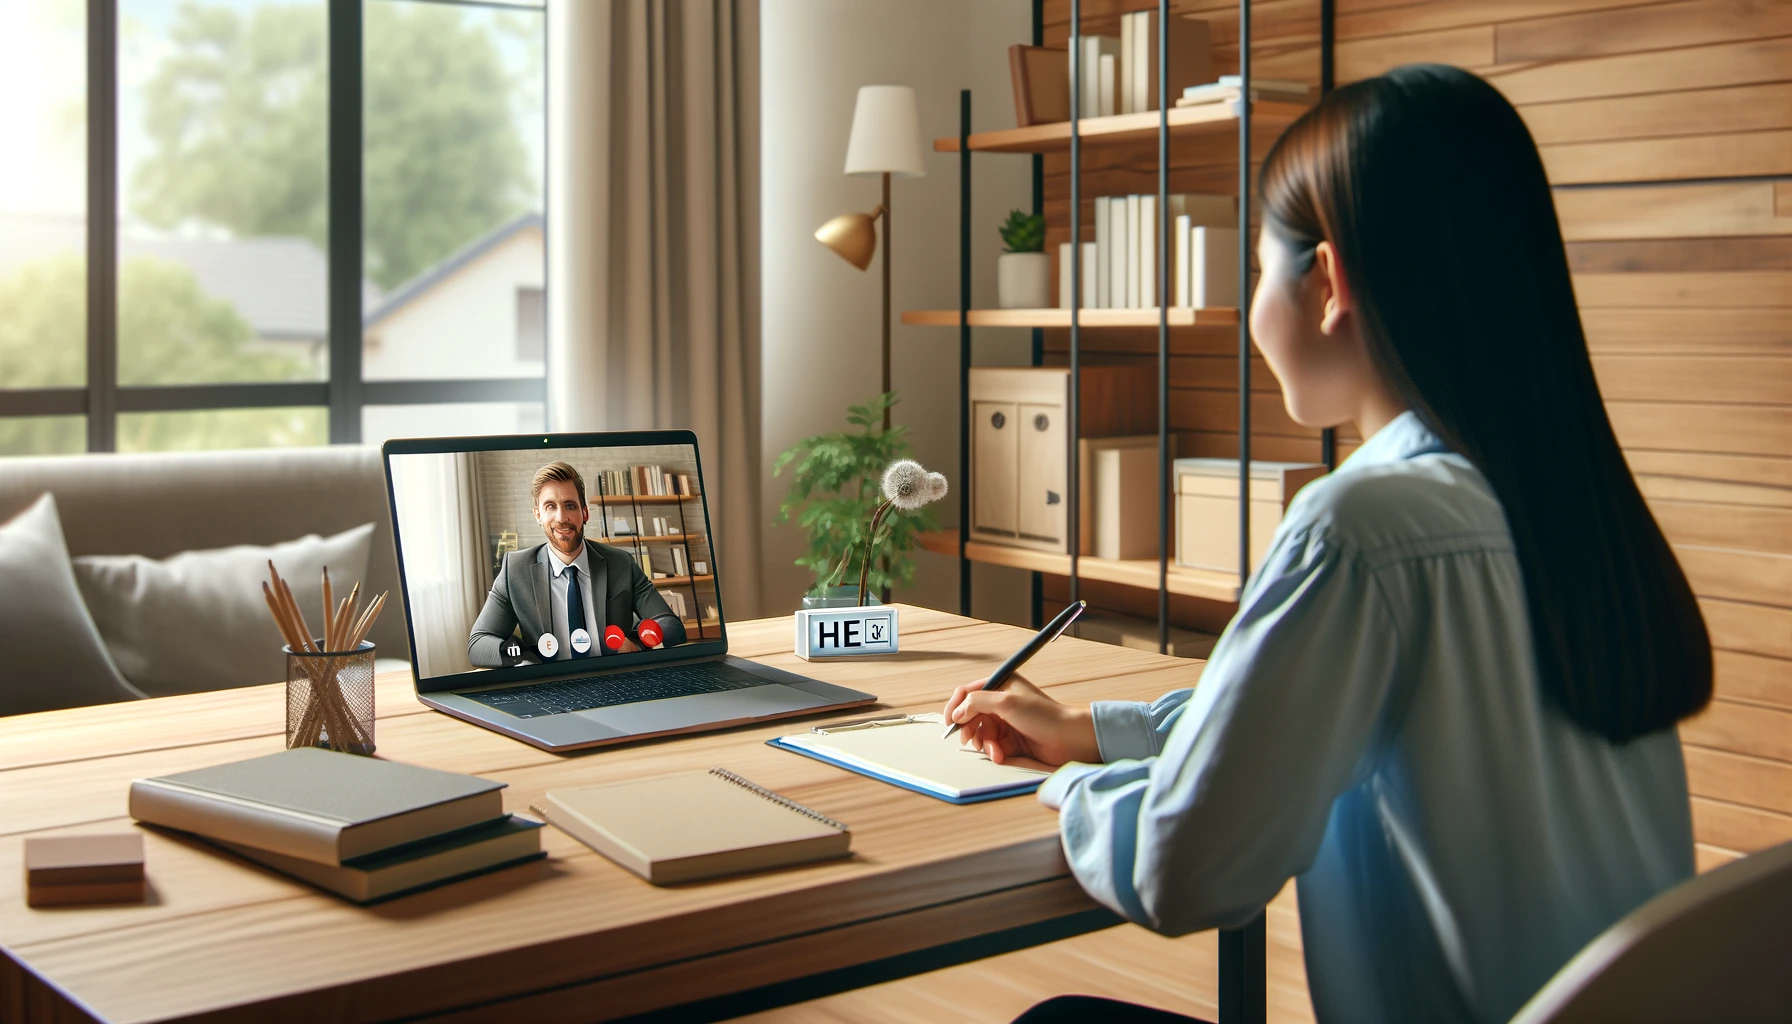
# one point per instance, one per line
(580, 641)
(547, 645)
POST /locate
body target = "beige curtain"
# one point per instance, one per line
(653, 200)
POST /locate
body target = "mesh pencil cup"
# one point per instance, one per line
(329, 698)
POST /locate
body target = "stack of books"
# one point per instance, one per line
(362, 828)
(1203, 253)
(676, 602)
(1229, 87)
(658, 482)
(1119, 74)
(645, 480)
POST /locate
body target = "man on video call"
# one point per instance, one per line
(562, 595)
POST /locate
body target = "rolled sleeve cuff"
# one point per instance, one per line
(1058, 787)
(1124, 730)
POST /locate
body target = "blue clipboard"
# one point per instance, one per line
(855, 769)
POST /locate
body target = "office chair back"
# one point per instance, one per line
(1716, 947)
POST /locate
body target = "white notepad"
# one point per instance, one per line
(907, 751)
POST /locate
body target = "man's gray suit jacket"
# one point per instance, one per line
(520, 602)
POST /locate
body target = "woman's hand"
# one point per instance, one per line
(1020, 722)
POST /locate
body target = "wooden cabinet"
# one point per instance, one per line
(995, 438)
(1021, 438)
(1207, 508)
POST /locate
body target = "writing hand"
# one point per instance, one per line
(1020, 722)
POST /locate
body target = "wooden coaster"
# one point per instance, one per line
(102, 868)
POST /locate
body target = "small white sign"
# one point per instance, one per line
(845, 632)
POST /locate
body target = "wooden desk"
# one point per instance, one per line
(570, 938)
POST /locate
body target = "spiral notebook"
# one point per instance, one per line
(908, 751)
(680, 828)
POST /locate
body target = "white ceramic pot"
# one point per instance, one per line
(1023, 280)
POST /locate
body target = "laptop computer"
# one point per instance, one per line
(561, 589)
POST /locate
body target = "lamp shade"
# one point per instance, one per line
(886, 133)
(852, 235)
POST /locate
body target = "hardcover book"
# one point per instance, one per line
(471, 851)
(317, 805)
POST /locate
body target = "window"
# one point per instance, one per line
(43, 210)
(217, 274)
(531, 325)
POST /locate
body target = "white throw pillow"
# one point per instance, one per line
(53, 657)
(198, 621)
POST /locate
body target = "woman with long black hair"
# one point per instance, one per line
(1447, 702)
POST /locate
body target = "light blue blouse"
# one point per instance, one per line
(1370, 723)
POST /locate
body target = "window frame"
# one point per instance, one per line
(344, 393)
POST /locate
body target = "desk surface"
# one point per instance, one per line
(572, 935)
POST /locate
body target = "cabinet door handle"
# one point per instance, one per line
(1053, 497)
(1041, 422)
(997, 420)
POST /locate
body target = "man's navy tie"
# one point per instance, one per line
(575, 613)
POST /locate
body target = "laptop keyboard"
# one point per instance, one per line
(583, 694)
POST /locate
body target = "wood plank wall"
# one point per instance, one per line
(1667, 129)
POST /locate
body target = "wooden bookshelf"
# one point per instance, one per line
(619, 500)
(1208, 119)
(670, 538)
(674, 581)
(1180, 316)
(1141, 573)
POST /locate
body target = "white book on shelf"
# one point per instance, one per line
(1147, 252)
(1117, 244)
(1213, 279)
(1129, 54)
(1139, 71)
(1089, 71)
(1180, 272)
(1268, 84)
(1065, 273)
(1109, 75)
(1104, 248)
(1123, 87)
(1132, 252)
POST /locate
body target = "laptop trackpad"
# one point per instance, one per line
(704, 709)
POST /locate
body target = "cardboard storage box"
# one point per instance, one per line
(1119, 484)
(1207, 508)
(1020, 444)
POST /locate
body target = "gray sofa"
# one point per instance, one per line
(160, 504)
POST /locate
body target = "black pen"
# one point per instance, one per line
(1031, 647)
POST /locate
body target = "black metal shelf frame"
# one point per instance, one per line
(1242, 959)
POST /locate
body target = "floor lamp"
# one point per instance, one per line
(886, 140)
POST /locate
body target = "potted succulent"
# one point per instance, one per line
(1023, 271)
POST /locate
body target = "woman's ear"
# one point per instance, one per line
(1337, 303)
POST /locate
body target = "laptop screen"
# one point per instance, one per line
(523, 559)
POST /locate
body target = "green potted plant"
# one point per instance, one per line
(835, 496)
(1023, 271)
